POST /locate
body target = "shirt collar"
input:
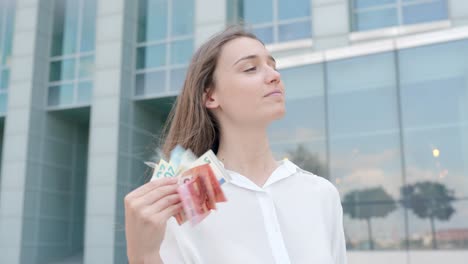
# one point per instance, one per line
(285, 169)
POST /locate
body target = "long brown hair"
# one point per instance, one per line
(190, 124)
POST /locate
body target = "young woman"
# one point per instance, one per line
(276, 212)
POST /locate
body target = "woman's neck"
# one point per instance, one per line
(247, 152)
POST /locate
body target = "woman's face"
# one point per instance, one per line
(248, 89)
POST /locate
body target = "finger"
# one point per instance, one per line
(159, 193)
(170, 211)
(163, 203)
(145, 188)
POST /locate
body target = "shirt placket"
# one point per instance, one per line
(272, 228)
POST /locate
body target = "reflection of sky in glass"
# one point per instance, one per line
(257, 12)
(375, 14)
(300, 81)
(165, 44)
(285, 22)
(434, 108)
(364, 141)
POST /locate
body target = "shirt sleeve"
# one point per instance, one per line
(339, 243)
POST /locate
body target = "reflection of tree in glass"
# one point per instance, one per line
(308, 161)
(366, 204)
(429, 200)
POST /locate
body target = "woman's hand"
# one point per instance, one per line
(147, 210)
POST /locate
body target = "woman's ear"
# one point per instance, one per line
(210, 99)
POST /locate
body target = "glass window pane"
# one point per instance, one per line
(424, 84)
(3, 102)
(265, 34)
(373, 220)
(435, 130)
(4, 79)
(351, 96)
(293, 31)
(152, 20)
(62, 70)
(85, 90)
(369, 166)
(8, 37)
(182, 17)
(65, 27)
(302, 139)
(177, 79)
(86, 69)
(257, 12)
(181, 51)
(365, 154)
(60, 95)
(299, 9)
(151, 56)
(150, 83)
(371, 3)
(425, 12)
(88, 31)
(375, 19)
(2, 13)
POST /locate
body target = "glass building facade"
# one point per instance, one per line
(72, 53)
(368, 14)
(7, 12)
(376, 99)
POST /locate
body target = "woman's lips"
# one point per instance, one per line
(274, 93)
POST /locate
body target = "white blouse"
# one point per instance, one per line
(296, 217)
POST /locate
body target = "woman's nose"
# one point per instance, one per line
(273, 76)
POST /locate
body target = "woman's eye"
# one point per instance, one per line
(251, 69)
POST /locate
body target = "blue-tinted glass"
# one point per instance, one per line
(304, 89)
(265, 34)
(434, 93)
(60, 95)
(424, 12)
(85, 90)
(62, 70)
(6, 46)
(375, 19)
(150, 83)
(435, 130)
(4, 79)
(293, 31)
(298, 9)
(181, 51)
(65, 27)
(257, 12)
(351, 96)
(152, 20)
(88, 31)
(151, 56)
(365, 154)
(177, 79)
(3, 102)
(371, 3)
(182, 17)
(86, 69)
(2, 14)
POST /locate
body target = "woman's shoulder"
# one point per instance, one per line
(314, 180)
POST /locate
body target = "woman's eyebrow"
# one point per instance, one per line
(249, 57)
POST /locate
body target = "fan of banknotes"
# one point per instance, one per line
(199, 180)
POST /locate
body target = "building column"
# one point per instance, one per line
(330, 23)
(23, 130)
(458, 12)
(110, 114)
(208, 22)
